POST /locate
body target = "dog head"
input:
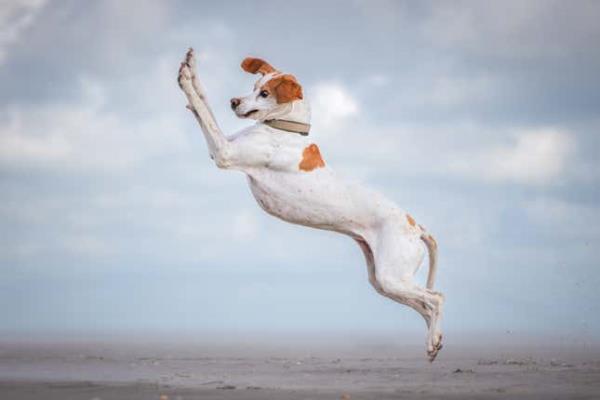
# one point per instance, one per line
(272, 93)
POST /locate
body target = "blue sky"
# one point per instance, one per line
(481, 119)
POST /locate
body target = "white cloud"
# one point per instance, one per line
(455, 91)
(75, 137)
(512, 28)
(15, 18)
(88, 136)
(16, 147)
(467, 151)
(535, 157)
(332, 105)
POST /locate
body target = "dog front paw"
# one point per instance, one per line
(190, 59)
(186, 69)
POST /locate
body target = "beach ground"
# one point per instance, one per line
(104, 370)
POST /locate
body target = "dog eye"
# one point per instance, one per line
(264, 93)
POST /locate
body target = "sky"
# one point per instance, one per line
(479, 118)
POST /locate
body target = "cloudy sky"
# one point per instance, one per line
(479, 118)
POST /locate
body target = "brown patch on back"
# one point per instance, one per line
(311, 158)
(254, 65)
(410, 220)
(285, 88)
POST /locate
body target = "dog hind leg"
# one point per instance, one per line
(391, 268)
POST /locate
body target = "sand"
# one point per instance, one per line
(102, 370)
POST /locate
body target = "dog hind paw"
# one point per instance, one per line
(434, 349)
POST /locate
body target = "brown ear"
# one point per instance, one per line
(254, 65)
(285, 88)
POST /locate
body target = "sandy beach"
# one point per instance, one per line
(103, 370)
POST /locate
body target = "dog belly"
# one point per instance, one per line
(319, 200)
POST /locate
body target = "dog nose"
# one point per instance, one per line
(234, 103)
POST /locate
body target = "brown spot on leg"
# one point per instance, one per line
(311, 158)
(410, 220)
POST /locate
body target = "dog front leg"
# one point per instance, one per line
(219, 147)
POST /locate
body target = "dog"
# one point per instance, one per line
(291, 181)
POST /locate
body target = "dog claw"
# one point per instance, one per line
(190, 60)
(432, 354)
(187, 66)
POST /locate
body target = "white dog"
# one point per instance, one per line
(290, 180)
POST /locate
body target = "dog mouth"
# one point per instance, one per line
(249, 113)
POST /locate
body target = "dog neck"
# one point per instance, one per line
(289, 126)
(291, 117)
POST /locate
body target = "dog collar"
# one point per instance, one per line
(289, 126)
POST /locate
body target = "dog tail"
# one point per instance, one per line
(432, 248)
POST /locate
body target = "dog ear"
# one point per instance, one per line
(254, 65)
(286, 88)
